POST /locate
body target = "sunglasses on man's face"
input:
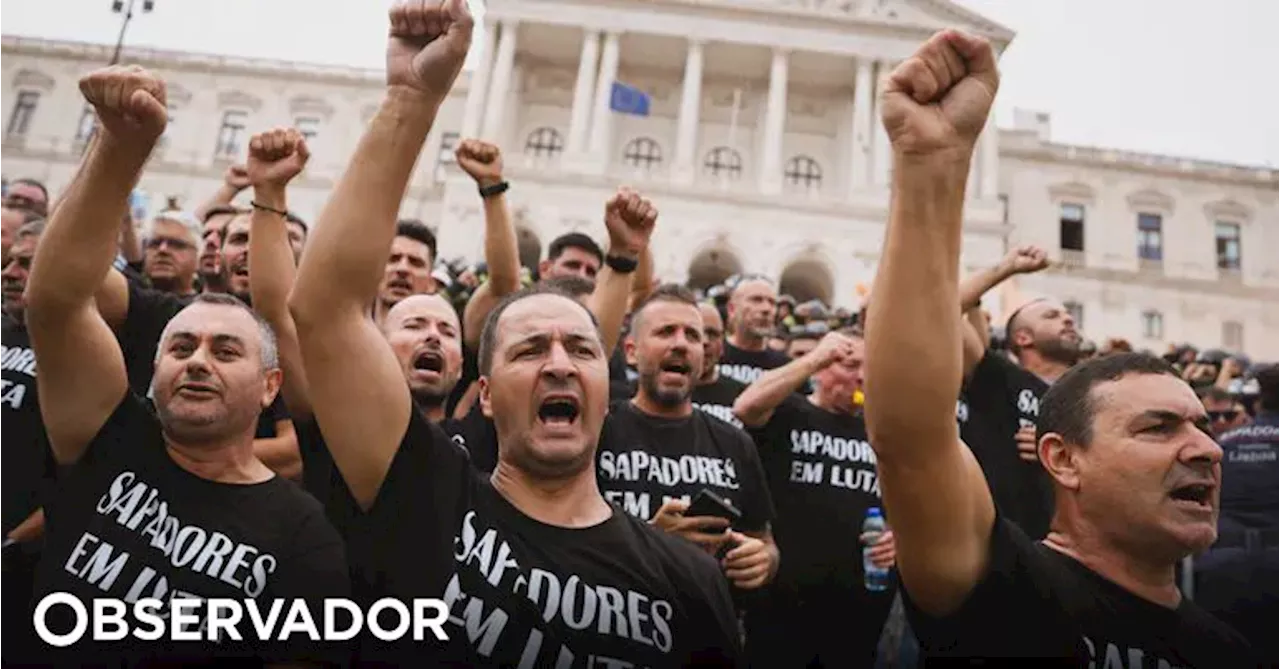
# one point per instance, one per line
(1223, 416)
(175, 244)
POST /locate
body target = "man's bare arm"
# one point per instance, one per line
(357, 389)
(275, 158)
(234, 180)
(483, 161)
(755, 406)
(935, 105)
(629, 218)
(72, 342)
(280, 452)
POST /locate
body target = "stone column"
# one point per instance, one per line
(775, 122)
(690, 108)
(861, 132)
(500, 82)
(473, 109)
(580, 115)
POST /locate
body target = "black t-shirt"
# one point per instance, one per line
(149, 312)
(273, 414)
(746, 366)
(28, 463)
(1035, 602)
(717, 397)
(1249, 475)
(518, 588)
(645, 460)
(127, 522)
(998, 399)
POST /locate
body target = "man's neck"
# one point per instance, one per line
(434, 413)
(649, 407)
(1048, 370)
(711, 376)
(232, 461)
(747, 341)
(175, 286)
(213, 283)
(830, 404)
(572, 503)
(1152, 580)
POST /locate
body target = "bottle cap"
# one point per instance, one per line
(873, 511)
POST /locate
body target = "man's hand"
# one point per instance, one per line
(937, 101)
(236, 177)
(630, 220)
(884, 551)
(698, 529)
(832, 348)
(130, 103)
(1025, 438)
(275, 158)
(1024, 260)
(481, 160)
(750, 562)
(427, 45)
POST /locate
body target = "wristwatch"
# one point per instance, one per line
(621, 264)
(494, 189)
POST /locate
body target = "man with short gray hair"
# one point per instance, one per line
(169, 255)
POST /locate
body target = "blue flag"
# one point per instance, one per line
(626, 99)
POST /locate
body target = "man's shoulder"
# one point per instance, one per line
(1254, 432)
(680, 559)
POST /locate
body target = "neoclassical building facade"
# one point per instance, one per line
(759, 141)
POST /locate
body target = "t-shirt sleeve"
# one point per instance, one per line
(988, 377)
(428, 479)
(1009, 596)
(757, 502)
(131, 428)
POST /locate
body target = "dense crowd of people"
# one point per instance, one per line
(588, 466)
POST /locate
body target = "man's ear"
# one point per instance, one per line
(1060, 460)
(485, 406)
(629, 349)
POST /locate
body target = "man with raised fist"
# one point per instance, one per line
(1134, 474)
(514, 547)
(144, 494)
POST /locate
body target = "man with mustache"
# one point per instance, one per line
(753, 304)
(715, 392)
(169, 259)
(427, 519)
(192, 460)
(1135, 474)
(408, 266)
(28, 466)
(27, 195)
(213, 231)
(13, 220)
(643, 439)
(823, 475)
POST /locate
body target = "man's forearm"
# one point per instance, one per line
(501, 252)
(913, 336)
(271, 269)
(609, 303)
(975, 286)
(83, 231)
(348, 250)
(764, 394)
(225, 195)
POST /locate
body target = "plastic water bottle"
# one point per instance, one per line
(876, 579)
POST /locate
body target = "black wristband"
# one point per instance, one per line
(494, 189)
(620, 264)
(264, 207)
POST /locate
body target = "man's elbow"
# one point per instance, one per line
(746, 411)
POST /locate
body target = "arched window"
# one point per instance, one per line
(544, 143)
(643, 153)
(723, 162)
(803, 173)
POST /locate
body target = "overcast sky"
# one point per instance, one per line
(1175, 77)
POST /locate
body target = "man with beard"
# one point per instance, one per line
(408, 266)
(213, 231)
(169, 260)
(192, 461)
(715, 392)
(514, 546)
(1000, 400)
(822, 474)
(28, 466)
(753, 304)
(656, 453)
(1135, 475)
(572, 254)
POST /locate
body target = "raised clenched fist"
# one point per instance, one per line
(832, 348)
(936, 102)
(1025, 260)
(629, 219)
(428, 43)
(276, 157)
(130, 102)
(236, 177)
(481, 160)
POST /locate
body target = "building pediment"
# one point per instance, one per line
(1074, 191)
(33, 80)
(239, 100)
(176, 93)
(1227, 210)
(310, 105)
(1150, 200)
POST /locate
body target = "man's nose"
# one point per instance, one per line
(1201, 449)
(559, 364)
